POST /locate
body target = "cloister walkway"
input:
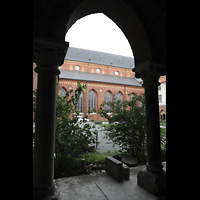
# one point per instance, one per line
(101, 186)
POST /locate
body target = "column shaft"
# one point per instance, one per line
(153, 178)
(48, 55)
(45, 128)
(153, 128)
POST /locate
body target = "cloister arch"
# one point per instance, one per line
(144, 25)
(124, 17)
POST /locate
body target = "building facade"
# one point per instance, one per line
(108, 77)
(162, 97)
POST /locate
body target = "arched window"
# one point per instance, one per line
(118, 97)
(79, 103)
(92, 98)
(131, 97)
(108, 98)
(62, 93)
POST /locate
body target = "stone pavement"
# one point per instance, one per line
(101, 186)
(105, 145)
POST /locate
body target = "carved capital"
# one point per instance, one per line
(150, 73)
(49, 53)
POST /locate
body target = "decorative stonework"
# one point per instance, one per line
(150, 72)
(49, 53)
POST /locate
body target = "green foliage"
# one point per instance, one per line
(71, 138)
(127, 125)
(163, 142)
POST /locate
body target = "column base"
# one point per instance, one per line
(45, 193)
(155, 183)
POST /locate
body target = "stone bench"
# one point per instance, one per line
(117, 169)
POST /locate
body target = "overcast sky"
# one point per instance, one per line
(98, 32)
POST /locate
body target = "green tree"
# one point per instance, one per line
(127, 124)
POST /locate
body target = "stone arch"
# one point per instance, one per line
(110, 93)
(162, 115)
(127, 20)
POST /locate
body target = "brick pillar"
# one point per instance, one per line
(153, 178)
(48, 55)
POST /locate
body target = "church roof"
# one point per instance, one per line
(101, 58)
(74, 75)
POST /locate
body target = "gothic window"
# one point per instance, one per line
(108, 98)
(62, 93)
(131, 96)
(118, 97)
(79, 103)
(92, 98)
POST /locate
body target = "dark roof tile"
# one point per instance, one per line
(99, 58)
(73, 75)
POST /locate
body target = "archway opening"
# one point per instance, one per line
(125, 18)
(99, 33)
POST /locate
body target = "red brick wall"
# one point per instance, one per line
(91, 68)
(99, 88)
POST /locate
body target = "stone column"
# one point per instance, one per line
(153, 178)
(48, 55)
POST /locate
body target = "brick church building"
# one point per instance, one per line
(108, 77)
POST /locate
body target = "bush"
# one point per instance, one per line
(72, 139)
(127, 125)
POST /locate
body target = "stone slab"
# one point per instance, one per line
(114, 168)
(78, 188)
(130, 161)
(126, 172)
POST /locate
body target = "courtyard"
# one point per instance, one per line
(106, 145)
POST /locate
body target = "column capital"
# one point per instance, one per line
(49, 53)
(150, 73)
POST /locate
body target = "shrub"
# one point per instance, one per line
(127, 125)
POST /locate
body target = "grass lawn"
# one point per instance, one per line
(163, 130)
(95, 156)
(162, 123)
